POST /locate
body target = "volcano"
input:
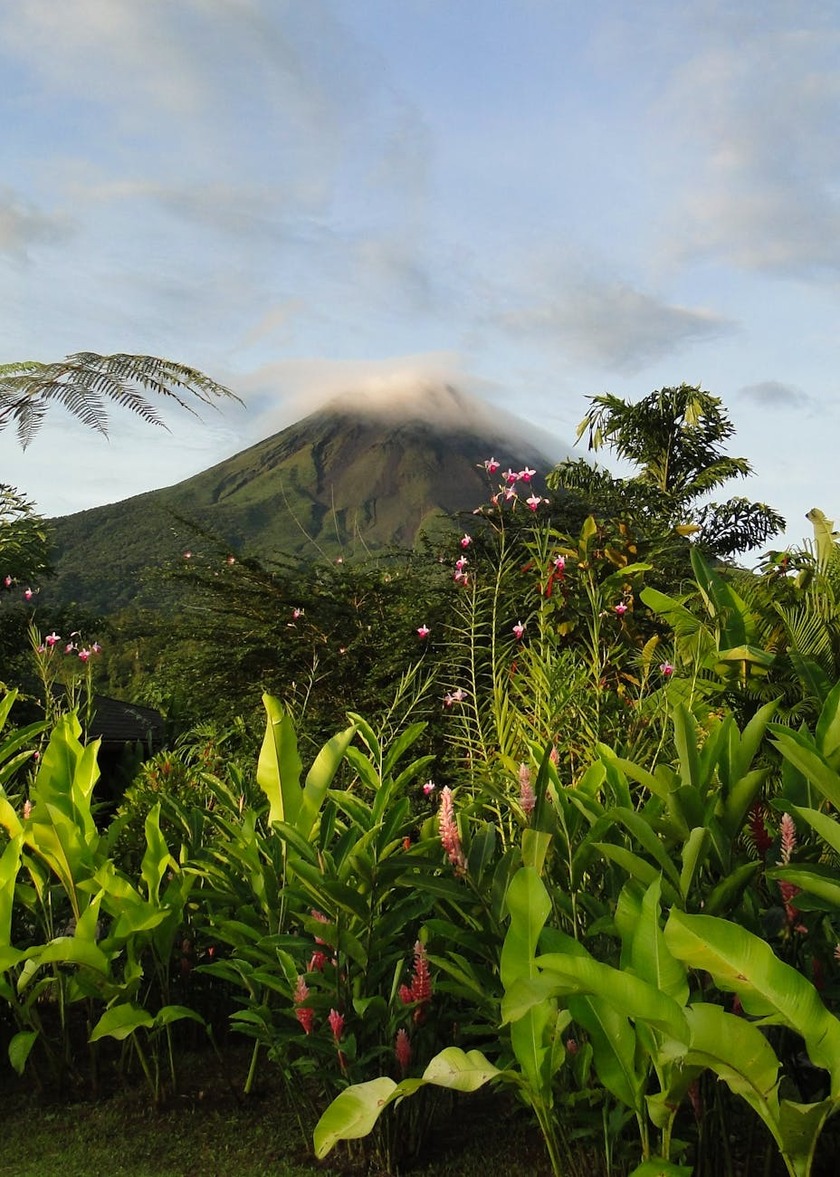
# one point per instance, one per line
(356, 477)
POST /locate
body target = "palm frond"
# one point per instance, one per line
(85, 383)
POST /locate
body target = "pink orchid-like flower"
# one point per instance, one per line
(51, 639)
(84, 654)
(461, 562)
(510, 493)
(7, 581)
(511, 476)
(429, 788)
(527, 474)
(188, 555)
(28, 594)
(96, 648)
(559, 563)
(666, 668)
(621, 608)
(465, 540)
(423, 631)
(534, 501)
(519, 630)
(297, 612)
(491, 465)
(70, 647)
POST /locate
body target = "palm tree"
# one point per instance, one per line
(674, 438)
(84, 383)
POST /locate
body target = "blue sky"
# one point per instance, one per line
(534, 200)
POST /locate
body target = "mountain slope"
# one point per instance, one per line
(349, 479)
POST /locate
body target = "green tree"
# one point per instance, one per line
(674, 438)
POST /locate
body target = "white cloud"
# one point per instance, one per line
(22, 224)
(773, 394)
(614, 325)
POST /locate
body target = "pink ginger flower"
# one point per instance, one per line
(527, 797)
(448, 828)
(788, 838)
(336, 1021)
(321, 919)
(316, 962)
(402, 1051)
(423, 631)
(491, 465)
(621, 608)
(27, 809)
(304, 1015)
(518, 630)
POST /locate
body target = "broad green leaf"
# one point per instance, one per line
(694, 854)
(352, 1114)
(657, 1167)
(20, 1047)
(649, 953)
(614, 1044)
(279, 766)
(803, 755)
(120, 1021)
(320, 777)
(768, 988)
(460, 1070)
(827, 731)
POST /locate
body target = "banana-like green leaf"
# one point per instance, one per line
(320, 777)
(529, 906)
(354, 1111)
(767, 987)
(279, 766)
(614, 1048)
(657, 1167)
(649, 955)
(694, 853)
(827, 731)
(799, 750)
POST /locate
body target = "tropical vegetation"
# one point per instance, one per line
(548, 812)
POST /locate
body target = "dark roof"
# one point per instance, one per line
(115, 722)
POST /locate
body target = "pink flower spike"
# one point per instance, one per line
(621, 608)
(527, 474)
(491, 465)
(423, 631)
(466, 540)
(402, 1050)
(788, 838)
(27, 809)
(666, 669)
(449, 835)
(429, 788)
(518, 631)
(336, 1021)
(533, 501)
